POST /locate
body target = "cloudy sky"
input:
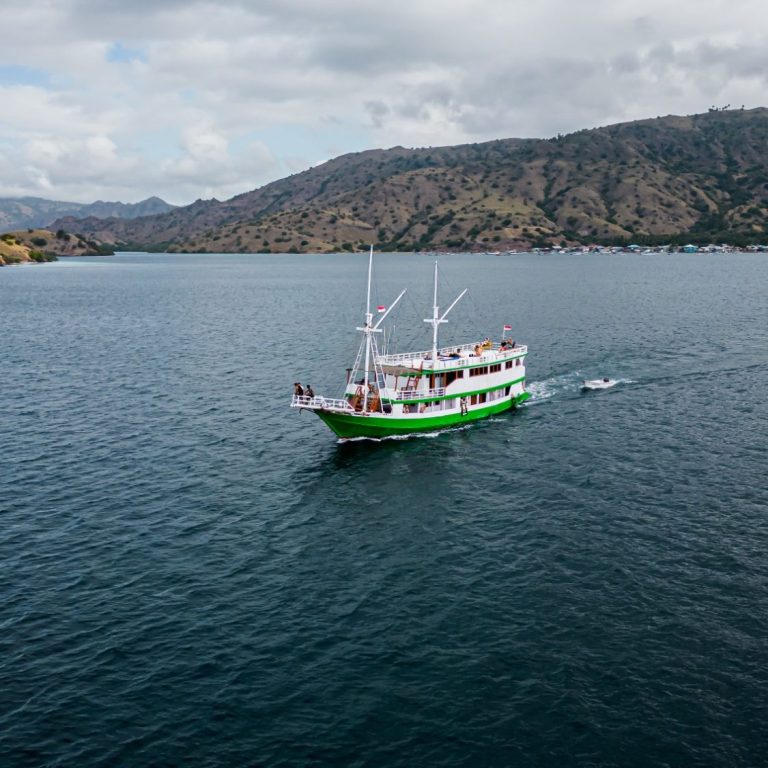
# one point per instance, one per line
(122, 99)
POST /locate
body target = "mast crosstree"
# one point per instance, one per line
(435, 321)
(369, 330)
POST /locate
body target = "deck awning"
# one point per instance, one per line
(402, 370)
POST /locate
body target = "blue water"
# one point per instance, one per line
(191, 574)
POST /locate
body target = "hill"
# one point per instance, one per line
(699, 177)
(26, 212)
(39, 245)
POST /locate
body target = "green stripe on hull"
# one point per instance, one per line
(454, 395)
(345, 425)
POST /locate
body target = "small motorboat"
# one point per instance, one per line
(590, 384)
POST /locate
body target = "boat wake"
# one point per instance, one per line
(544, 390)
(566, 384)
(409, 436)
(347, 440)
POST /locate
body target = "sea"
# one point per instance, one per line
(194, 574)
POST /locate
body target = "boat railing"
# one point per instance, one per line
(423, 355)
(465, 350)
(326, 403)
(413, 394)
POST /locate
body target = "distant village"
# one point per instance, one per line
(638, 249)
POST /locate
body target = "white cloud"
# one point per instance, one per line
(219, 96)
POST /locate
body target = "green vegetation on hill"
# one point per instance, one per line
(702, 178)
(39, 245)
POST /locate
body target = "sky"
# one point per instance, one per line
(188, 99)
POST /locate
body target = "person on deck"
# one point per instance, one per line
(309, 392)
(298, 389)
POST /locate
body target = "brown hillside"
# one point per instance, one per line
(704, 175)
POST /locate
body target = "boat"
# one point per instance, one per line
(592, 384)
(408, 393)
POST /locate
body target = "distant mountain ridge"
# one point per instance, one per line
(26, 212)
(699, 176)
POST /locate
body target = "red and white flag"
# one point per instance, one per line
(507, 327)
(380, 308)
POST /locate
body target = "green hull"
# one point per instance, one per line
(347, 425)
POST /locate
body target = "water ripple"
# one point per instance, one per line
(190, 574)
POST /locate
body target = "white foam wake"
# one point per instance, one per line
(564, 384)
(408, 436)
(546, 389)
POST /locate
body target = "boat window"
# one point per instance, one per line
(483, 398)
(507, 390)
(509, 363)
(495, 368)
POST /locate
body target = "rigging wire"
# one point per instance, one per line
(467, 313)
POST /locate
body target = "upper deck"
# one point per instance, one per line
(448, 358)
